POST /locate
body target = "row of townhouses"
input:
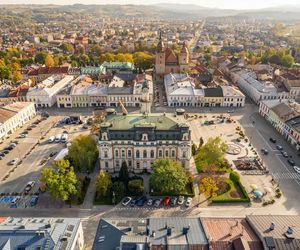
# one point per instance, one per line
(284, 115)
(184, 90)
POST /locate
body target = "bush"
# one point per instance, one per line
(135, 187)
(278, 195)
(234, 176)
(119, 189)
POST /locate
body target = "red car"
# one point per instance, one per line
(166, 201)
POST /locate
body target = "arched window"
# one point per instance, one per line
(137, 154)
(145, 154)
(152, 154)
(116, 153)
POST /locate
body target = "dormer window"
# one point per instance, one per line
(104, 136)
(145, 137)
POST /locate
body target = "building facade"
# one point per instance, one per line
(15, 115)
(183, 90)
(139, 140)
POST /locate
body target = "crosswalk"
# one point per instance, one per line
(286, 175)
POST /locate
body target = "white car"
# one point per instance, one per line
(180, 200)
(29, 186)
(297, 169)
(58, 138)
(22, 136)
(188, 202)
(51, 139)
(13, 162)
(126, 201)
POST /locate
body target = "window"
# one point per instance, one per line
(137, 154)
(160, 153)
(167, 153)
(152, 154)
(117, 163)
(173, 153)
(105, 154)
(137, 165)
(145, 154)
(129, 153)
(183, 154)
(129, 163)
(123, 153)
(116, 153)
(106, 164)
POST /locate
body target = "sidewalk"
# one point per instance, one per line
(90, 194)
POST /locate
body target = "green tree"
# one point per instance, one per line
(201, 142)
(40, 57)
(123, 173)
(287, 61)
(83, 153)
(194, 149)
(143, 60)
(212, 153)
(60, 180)
(103, 184)
(97, 50)
(168, 177)
(209, 187)
(67, 47)
(136, 187)
(5, 71)
(234, 176)
(119, 189)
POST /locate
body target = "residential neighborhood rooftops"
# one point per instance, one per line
(277, 232)
(226, 233)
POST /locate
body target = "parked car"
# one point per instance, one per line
(284, 154)
(58, 138)
(13, 162)
(133, 202)
(150, 202)
(272, 140)
(166, 201)
(157, 202)
(279, 147)
(5, 151)
(180, 200)
(291, 162)
(297, 169)
(141, 201)
(2, 154)
(12, 144)
(173, 201)
(126, 201)
(23, 135)
(15, 199)
(52, 154)
(33, 201)
(264, 151)
(29, 186)
(188, 202)
(51, 139)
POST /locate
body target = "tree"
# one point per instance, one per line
(168, 177)
(49, 61)
(136, 187)
(143, 60)
(67, 47)
(123, 174)
(194, 149)
(60, 180)
(210, 169)
(103, 184)
(5, 71)
(287, 61)
(208, 186)
(212, 153)
(83, 153)
(201, 142)
(16, 74)
(119, 189)
(97, 50)
(40, 57)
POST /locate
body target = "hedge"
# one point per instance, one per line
(190, 192)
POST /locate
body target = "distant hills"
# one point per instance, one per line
(162, 10)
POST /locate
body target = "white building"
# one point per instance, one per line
(139, 140)
(258, 90)
(183, 90)
(44, 94)
(41, 233)
(15, 115)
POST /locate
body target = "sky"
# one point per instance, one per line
(222, 4)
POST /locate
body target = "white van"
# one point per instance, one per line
(64, 138)
(51, 139)
(58, 138)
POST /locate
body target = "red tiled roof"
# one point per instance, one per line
(170, 56)
(48, 71)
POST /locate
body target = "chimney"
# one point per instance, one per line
(272, 226)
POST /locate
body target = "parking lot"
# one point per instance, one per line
(31, 155)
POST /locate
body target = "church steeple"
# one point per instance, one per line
(160, 45)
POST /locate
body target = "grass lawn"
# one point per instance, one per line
(236, 193)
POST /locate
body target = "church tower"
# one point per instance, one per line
(160, 57)
(184, 58)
